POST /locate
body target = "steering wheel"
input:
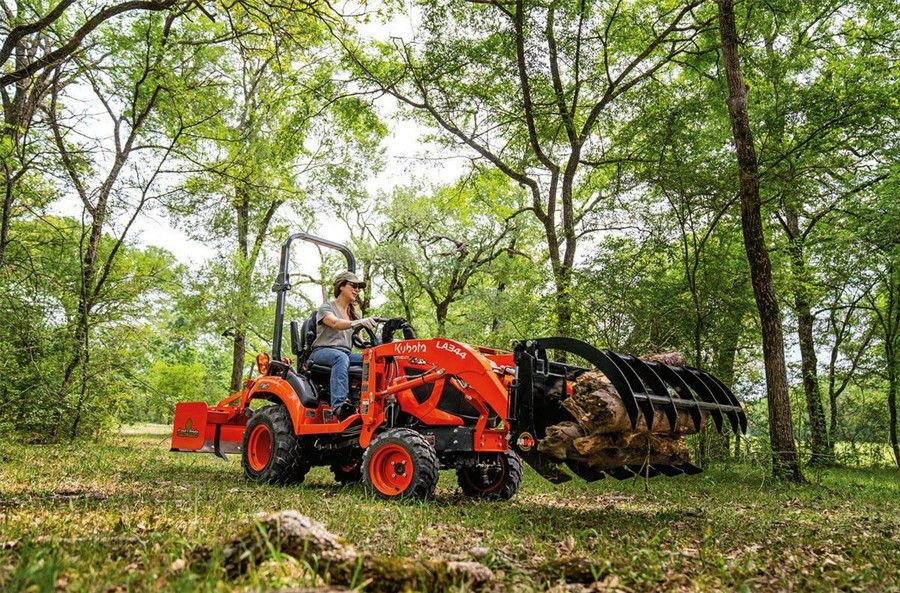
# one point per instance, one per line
(372, 340)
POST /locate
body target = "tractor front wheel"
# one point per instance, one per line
(271, 452)
(400, 463)
(497, 477)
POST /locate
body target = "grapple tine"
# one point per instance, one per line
(681, 389)
(668, 470)
(656, 385)
(545, 467)
(742, 416)
(635, 384)
(620, 473)
(689, 468)
(584, 471)
(700, 388)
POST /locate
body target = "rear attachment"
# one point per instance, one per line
(198, 427)
(624, 422)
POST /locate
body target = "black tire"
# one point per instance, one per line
(400, 463)
(280, 461)
(497, 479)
(347, 472)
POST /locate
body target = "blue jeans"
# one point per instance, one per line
(339, 361)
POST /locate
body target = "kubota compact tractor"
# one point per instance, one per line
(429, 404)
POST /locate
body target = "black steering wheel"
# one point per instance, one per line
(372, 340)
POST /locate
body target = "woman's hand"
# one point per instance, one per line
(368, 323)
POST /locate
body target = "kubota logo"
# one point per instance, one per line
(188, 431)
(407, 348)
(450, 348)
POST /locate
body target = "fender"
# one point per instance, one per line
(275, 388)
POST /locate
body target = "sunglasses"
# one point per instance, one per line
(353, 285)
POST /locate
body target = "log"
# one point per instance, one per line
(596, 405)
(335, 561)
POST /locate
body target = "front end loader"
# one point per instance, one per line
(425, 405)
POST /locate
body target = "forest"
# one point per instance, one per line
(713, 178)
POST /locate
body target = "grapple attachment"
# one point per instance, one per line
(660, 401)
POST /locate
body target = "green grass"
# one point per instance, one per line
(116, 516)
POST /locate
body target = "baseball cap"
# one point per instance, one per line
(348, 277)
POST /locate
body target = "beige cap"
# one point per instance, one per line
(348, 277)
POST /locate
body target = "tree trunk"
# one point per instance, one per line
(781, 430)
(818, 433)
(892, 406)
(440, 312)
(6, 214)
(495, 322)
(80, 339)
(891, 322)
(242, 222)
(723, 369)
(237, 360)
(563, 301)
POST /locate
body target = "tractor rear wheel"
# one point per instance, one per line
(347, 472)
(271, 452)
(400, 463)
(497, 478)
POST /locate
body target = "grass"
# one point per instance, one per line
(126, 514)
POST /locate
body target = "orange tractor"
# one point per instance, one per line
(423, 405)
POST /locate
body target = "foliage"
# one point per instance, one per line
(39, 308)
(600, 201)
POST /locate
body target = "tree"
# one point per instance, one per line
(822, 90)
(444, 241)
(781, 432)
(528, 87)
(878, 225)
(144, 80)
(35, 339)
(288, 128)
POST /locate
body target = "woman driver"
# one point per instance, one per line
(336, 321)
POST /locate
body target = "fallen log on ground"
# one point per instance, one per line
(337, 564)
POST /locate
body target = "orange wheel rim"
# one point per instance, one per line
(391, 469)
(259, 447)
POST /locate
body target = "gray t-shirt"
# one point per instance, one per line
(327, 337)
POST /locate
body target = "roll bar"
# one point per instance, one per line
(283, 280)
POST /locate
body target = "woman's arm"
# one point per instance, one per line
(337, 324)
(342, 324)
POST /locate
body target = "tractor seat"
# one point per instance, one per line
(301, 345)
